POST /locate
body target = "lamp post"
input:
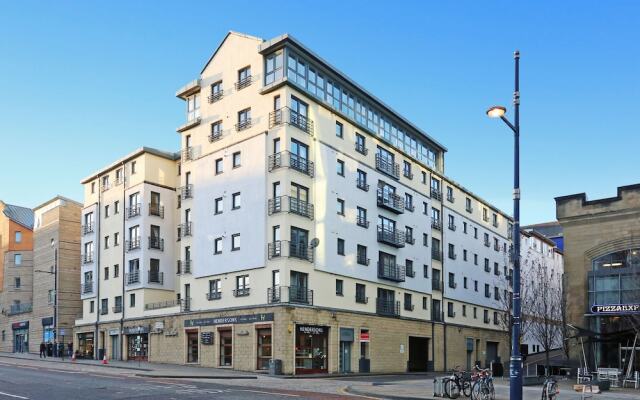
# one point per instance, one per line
(515, 370)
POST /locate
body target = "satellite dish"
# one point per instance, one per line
(314, 243)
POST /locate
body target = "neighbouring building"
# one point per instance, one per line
(602, 275)
(551, 230)
(16, 277)
(303, 220)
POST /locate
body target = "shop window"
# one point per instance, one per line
(226, 347)
(264, 347)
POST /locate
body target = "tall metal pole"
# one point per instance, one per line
(515, 375)
(55, 291)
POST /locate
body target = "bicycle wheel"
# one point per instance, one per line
(451, 388)
(466, 388)
(475, 391)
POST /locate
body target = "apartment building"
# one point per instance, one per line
(311, 224)
(16, 276)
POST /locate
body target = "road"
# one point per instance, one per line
(29, 382)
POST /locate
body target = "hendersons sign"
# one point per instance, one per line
(236, 319)
(615, 308)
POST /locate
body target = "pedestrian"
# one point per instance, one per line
(55, 348)
(43, 350)
(49, 349)
(61, 350)
(70, 349)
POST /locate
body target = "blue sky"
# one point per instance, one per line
(83, 83)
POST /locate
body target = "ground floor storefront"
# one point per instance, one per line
(297, 340)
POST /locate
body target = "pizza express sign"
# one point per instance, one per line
(615, 308)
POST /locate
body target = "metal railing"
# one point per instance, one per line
(215, 96)
(88, 228)
(104, 311)
(407, 174)
(436, 224)
(360, 148)
(409, 207)
(487, 243)
(391, 237)
(436, 194)
(387, 166)
(285, 115)
(390, 201)
(437, 285)
(185, 305)
(362, 299)
(410, 272)
(156, 243)
(452, 227)
(215, 135)
(243, 83)
(409, 307)
(20, 308)
(452, 255)
(133, 210)
(436, 254)
(155, 277)
(391, 271)
(243, 124)
(450, 198)
(362, 259)
(133, 244)
(117, 309)
(184, 267)
(161, 304)
(86, 287)
(187, 154)
(156, 209)
(388, 307)
(437, 316)
(132, 277)
(241, 292)
(87, 258)
(362, 184)
(290, 294)
(214, 295)
(362, 221)
(285, 248)
(409, 239)
(292, 205)
(293, 161)
(185, 229)
(186, 191)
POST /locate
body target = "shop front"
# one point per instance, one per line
(264, 346)
(86, 342)
(312, 349)
(48, 334)
(137, 342)
(20, 337)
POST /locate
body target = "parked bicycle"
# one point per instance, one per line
(550, 389)
(459, 382)
(482, 388)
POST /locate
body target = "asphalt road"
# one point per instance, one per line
(23, 382)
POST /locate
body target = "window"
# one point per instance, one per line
(485, 214)
(464, 254)
(341, 246)
(106, 273)
(361, 144)
(468, 205)
(475, 285)
(362, 255)
(217, 246)
(93, 187)
(452, 280)
(486, 316)
(452, 223)
(361, 180)
(218, 166)
(465, 281)
(340, 207)
(425, 240)
(486, 265)
(274, 67)
(424, 177)
(116, 238)
(425, 271)
(495, 318)
(106, 211)
(464, 227)
(133, 167)
(216, 131)
(361, 293)
(116, 207)
(450, 194)
(216, 92)
(452, 251)
(116, 270)
(495, 219)
(18, 237)
(496, 293)
(339, 287)
(215, 289)
(17, 283)
(475, 312)
(409, 235)
(104, 306)
(408, 202)
(450, 312)
(17, 260)
(487, 290)
(362, 217)
(236, 201)
(406, 169)
(236, 159)
(464, 310)
(244, 77)
(339, 130)
(475, 233)
(242, 285)
(91, 306)
(244, 119)
(132, 300)
(235, 242)
(424, 302)
(106, 242)
(218, 205)
(425, 208)
(408, 303)
(51, 296)
(340, 167)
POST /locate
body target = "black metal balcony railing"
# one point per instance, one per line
(290, 294)
(450, 198)
(20, 308)
(390, 201)
(436, 254)
(292, 205)
(186, 191)
(87, 258)
(287, 159)
(243, 124)
(132, 278)
(286, 115)
(86, 287)
(388, 307)
(285, 248)
(409, 239)
(185, 305)
(133, 210)
(486, 243)
(360, 148)
(410, 272)
(185, 229)
(362, 259)
(407, 174)
(214, 295)
(156, 209)
(88, 228)
(437, 316)
(387, 166)
(452, 227)
(362, 299)
(133, 244)
(104, 311)
(487, 268)
(409, 207)
(215, 135)
(436, 224)
(241, 292)
(436, 285)
(409, 307)
(391, 237)
(362, 184)
(391, 271)
(243, 83)
(215, 96)
(156, 243)
(187, 154)
(496, 247)
(156, 277)
(117, 309)
(452, 255)
(436, 194)
(161, 304)
(362, 221)
(452, 284)
(184, 267)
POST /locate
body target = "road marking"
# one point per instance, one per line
(13, 395)
(271, 393)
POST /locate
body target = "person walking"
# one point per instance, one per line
(55, 348)
(70, 349)
(43, 350)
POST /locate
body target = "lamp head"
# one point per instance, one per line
(496, 112)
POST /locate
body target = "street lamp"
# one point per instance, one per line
(515, 370)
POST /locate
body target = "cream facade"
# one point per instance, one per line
(312, 221)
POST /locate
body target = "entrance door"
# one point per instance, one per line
(345, 357)
(114, 348)
(226, 348)
(492, 353)
(192, 347)
(418, 354)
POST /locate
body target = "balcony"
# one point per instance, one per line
(86, 288)
(410, 272)
(391, 271)
(285, 248)
(132, 244)
(286, 159)
(156, 243)
(132, 278)
(360, 148)
(290, 294)
(436, 194)
(387, 166)
(193, 121)
(390, 201)
(436, 285)
(215, 96)
(117, 309)
(408, 307)
(452, 284)
(184, 267)
(88, 228)
(214, 295)
(392, 237)
(437, 316)
(452, 227)
(292, 205)
(185, 305)
(241, 292)
(87, 258)
(388, 307)
(156, 210)
(362, 184)
(362, 221)
(362, 259)
(215, 135)
(288, 116)
(452, 255)
(409, 207)
(486, 243)
(133, 210)
(243, 124)
(161, 304)
(436, 224)
(187, 154)
(104, 311)
(22, 308)
(185, 229)
(155, 277)
(436, 254)
(243, 83)
(186, 191)
(189, 89)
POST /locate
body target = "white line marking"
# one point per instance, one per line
(13, 395)
(271, 393)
